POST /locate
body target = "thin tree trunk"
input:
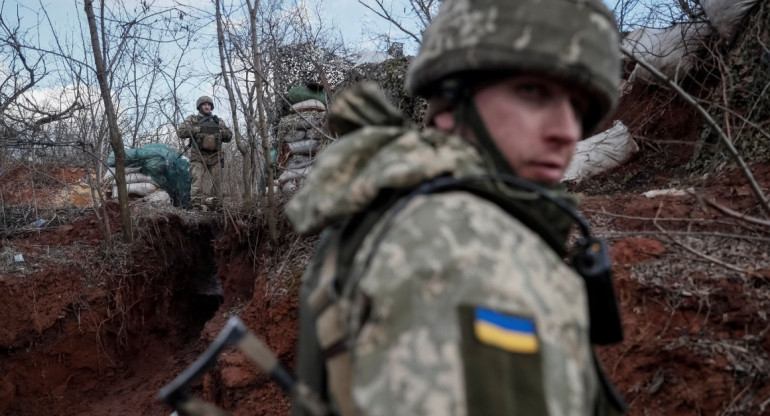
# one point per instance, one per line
(116, 142)
(271, 208)
(248, 197)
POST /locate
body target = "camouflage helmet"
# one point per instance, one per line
(204, 99)
(572, 39)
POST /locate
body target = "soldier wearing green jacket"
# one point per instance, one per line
(206, 132)
(424, 299)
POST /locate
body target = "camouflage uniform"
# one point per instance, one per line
(204, 161)
(408, 330)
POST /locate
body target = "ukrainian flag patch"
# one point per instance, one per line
(511, 333)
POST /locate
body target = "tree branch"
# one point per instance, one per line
(386, 15)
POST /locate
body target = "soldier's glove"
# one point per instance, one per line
(196, 129)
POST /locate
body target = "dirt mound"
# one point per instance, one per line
(44, 187)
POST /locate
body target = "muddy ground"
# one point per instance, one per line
(90, 328)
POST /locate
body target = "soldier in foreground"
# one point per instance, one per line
(438, 286)
(206, 133)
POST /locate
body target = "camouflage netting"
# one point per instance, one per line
(746, 83)
(296, 65)
(390, 74)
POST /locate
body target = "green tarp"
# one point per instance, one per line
(301, 93)
(167, 168)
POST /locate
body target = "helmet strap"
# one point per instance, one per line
(466, 114)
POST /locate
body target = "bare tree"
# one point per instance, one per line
(271, 206)
(243, 145)
(116, 142)
(21, 118)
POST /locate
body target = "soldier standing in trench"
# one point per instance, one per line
(206, 132)
(438, 286)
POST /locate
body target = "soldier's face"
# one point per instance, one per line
(535, 121)
(206, 108)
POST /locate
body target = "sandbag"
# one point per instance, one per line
(724, 15)
(602, 152)
(308, 105)
(304, 147)
(159, 197)
(305, 121)
(109, 175)
(293, 174)
(133, 177)
(298, 161)
(669, 50)
(140, 188)
(289, 187)
(296, 136)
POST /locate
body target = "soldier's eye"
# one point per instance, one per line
(530, 88)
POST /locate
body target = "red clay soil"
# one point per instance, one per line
(91, 330)
(696, 339)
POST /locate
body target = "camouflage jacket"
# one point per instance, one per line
(467, 311)
(187, 130)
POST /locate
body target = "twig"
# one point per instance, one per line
(702, 255)
(727, 211)
(632, 217)
(690, 100)
(735, 400)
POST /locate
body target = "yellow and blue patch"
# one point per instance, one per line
(511, 333)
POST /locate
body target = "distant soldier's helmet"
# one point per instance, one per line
(204, 99)
(572, 39)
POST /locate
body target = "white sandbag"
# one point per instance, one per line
(296, 136)
(139, 178)
(109, 175)
(304, 147)
(604, 151)
(159, 197)
(289, 187)
(724, 15)
(135, 177)
(139, 188)
(669, 50)
(288, 175)
(298, 161)
(308, 105)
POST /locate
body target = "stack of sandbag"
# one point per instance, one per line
(165, 168)
(138, 185)
(156, 167)
(300, 137)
